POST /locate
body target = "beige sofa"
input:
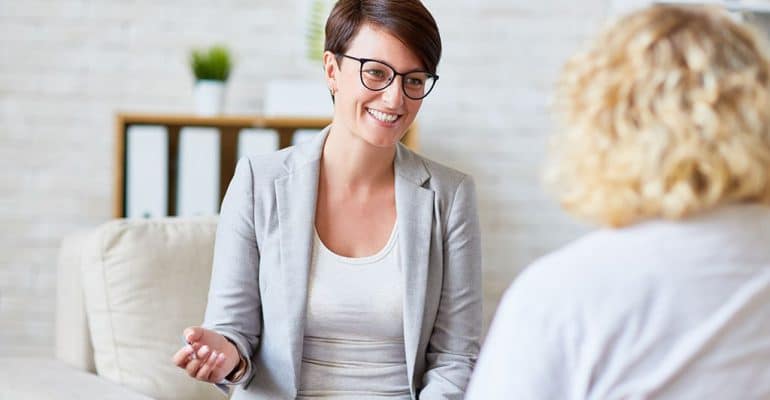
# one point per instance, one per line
(125, 292)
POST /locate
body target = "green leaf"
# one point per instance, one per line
(214, 63)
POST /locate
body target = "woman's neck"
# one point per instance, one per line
(350, 161)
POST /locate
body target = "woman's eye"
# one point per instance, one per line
(414, 82)
(375, 73)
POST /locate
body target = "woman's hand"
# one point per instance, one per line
(208, 357)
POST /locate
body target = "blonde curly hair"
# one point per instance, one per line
(665, 115)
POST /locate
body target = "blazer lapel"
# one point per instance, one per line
(414, 209)
(296, 195)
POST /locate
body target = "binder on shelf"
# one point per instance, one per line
(146, 166)
(198, 172)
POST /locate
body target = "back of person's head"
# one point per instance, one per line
(666, 114)
(407, 20)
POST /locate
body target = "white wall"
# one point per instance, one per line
(66, 66)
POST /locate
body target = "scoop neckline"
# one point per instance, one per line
(380, 254)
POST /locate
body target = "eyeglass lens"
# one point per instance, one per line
(377, 76)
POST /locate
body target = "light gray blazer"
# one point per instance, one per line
(259, 281)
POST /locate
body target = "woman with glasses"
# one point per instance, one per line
(349, 266)
(666, 144)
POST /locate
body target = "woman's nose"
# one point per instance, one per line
(394, 94)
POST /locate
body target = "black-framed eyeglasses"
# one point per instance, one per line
(377, 75)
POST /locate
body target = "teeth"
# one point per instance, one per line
(382, 116)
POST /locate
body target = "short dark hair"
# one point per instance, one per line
(407, 20)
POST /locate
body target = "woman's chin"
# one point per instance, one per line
(381, 142)
(380, 136)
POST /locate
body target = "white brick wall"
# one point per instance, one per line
(67, 65)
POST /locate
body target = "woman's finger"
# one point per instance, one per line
(193, 366)
(193, 333)
(218, 373)
(205, 370)
(203, 352)
(182, 356)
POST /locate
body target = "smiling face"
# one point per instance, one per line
(380, 118)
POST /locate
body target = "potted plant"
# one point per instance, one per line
(211, 68)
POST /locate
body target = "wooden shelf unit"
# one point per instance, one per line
(228, 127)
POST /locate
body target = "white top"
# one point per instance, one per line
(354, 333)
(661, 310)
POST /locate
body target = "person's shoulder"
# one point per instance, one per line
(582, 269)
(608, 273)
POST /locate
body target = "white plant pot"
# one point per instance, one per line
(209, 97)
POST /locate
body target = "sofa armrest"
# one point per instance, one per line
(73, 339)
(44, 379)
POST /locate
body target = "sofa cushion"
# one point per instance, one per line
(144, 281)
(48, 379)
(73, 341)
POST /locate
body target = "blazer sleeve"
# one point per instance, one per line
(454, 343)
(234, 305)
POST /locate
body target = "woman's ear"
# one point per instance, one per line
(330, 70)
